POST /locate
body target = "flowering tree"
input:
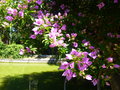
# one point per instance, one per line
(83, 32)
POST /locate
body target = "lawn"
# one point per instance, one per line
(27, 76)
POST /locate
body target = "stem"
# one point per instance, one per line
(65, 84)
(98, 85)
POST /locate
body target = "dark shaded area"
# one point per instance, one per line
(45, 81)
(115, 80)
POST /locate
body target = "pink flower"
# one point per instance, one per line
(63, 27)
(91, 47)
(107, 83)
(21, 13)
(33, 36)
(88, 77)
(72, 65)
(28, 49)
(38, 21)
(82, 66)
(73, 24)
(101, 5)
(52, 45)
(118, 36)
(110, 59)
(21, 51)
(74, 34)
(35, 29)
(94, 81)
(39, 2)
(9, 18)
(103, 66)
(64, 65)
(12, 11)
(69, 74)
(75, 44)
(85, 60)
(69, 56)
(28, 1)
(73, 52)
(62, 6)
(115, 1)
(93, 54)
(85, 54)
(68, 35)
(36, 7)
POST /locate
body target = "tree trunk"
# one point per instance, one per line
(115, 82)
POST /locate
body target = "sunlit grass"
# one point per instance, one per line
(13, 69)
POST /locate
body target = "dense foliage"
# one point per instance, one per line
(86, 32)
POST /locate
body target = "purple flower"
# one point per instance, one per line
(12, 11)
(116, 66)
(78, 54)
(35, 29)
(101, 5)
(73, 34)
(69, 56)
(72, 65)
(82, 66)
(56, 25)
(68, 35)
(24, 6)
(28, 49)
(60, 42)
(75, 44)
(21, 51)
(39, 21)
(63, 27)
(87, 43)
(40, 32)
(73, 24)
(88, 77)
(73, 52)
(62, 6)
(107, 83)
(103, 66)
(83, 41)
(39, 2)
(36, 7)
(85, 60)
(67, 10)
(94, 81)
(93, 54)
(91, 47)
(79, 14)
(118, 36)
(69, 74)
(110, 59)
(85, 54)
(28, 1)
(33, 36)
(52, 45)
(9, 18)
(64, 65)
(21, 13)
(115, 1)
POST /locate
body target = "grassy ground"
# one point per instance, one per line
(19, 76)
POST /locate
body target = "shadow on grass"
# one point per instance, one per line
(44, 81)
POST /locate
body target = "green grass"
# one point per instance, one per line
(18, 76)
(13, 69)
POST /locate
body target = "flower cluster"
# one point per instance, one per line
(113, 35)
